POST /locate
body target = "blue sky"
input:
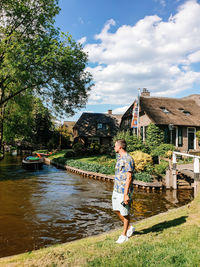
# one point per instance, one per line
(153, 44)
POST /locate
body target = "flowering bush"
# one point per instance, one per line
(142, 160)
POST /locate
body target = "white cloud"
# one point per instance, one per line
(82, 40)
(153, 53)
(121, 110)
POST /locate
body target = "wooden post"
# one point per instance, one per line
(174, 176)
(196, 176)
(167, 179)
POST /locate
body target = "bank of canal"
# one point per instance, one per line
(52, 206)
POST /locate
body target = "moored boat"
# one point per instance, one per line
(32, 163)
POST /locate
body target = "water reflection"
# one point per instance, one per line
(52, 206)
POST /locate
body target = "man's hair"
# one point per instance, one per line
(122, 143)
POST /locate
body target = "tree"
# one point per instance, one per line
(34, 56)
(27, 119)
(133, 142)
(42, 124)
(18, 119)
(155, 136)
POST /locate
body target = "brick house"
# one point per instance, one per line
(179, 118)
(96, 127)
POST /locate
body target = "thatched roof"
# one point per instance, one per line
(162, 110)
(194, 97)
(87, 124)
(171, 110)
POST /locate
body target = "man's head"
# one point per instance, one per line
(120, 144)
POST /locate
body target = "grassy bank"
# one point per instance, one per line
(168, 239)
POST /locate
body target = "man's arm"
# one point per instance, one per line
(127, 185)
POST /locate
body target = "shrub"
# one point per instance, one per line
(79, 149)
(69, 154)
(142, 160)
(143, 176)
(155, 136)
(106, 149)
(161, 168)
(93, 167)
(93, 149)
(164, 150)
(133, 142)
(60, 160)
(198, 136)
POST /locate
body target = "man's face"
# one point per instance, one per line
(117, 147)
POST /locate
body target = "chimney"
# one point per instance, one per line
(145, 92)
(110, 111)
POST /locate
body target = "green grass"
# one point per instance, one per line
(167, 239)
(58, 154)
(41, 151)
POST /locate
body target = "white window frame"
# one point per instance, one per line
(194, 137)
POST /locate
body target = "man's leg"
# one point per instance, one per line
(125, 220)
(126, 224)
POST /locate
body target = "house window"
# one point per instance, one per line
(191, 133)
(99, 126)
(186, 112)
(166, 111)
(180, 136)
(103, 126)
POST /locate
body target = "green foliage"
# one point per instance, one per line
(93, 167)
(94, 149)
(155, 136)
(143, 176)
(18, 119)
(34, 54)
(162, 150)
(69, 154)
(60, 160)
(142, 160)
(198, 136)
(106, 149)
(79, 149)
(161, 168)
(37, 58)
(27, 119)
(133, 142)
(43, 151)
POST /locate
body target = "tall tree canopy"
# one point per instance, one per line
(34, 55)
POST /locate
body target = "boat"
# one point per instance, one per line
(32, 163)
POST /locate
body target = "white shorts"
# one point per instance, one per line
(117, 199)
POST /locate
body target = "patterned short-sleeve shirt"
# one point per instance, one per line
(124, 164)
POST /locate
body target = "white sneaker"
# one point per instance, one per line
(122, 239)
(130, 231)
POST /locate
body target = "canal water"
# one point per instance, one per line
(51, 206)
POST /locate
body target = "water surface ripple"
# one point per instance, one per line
(51, 206)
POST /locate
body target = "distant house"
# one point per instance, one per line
(96, 127)
(179, 118)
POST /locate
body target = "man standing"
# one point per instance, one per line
(123, 188)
